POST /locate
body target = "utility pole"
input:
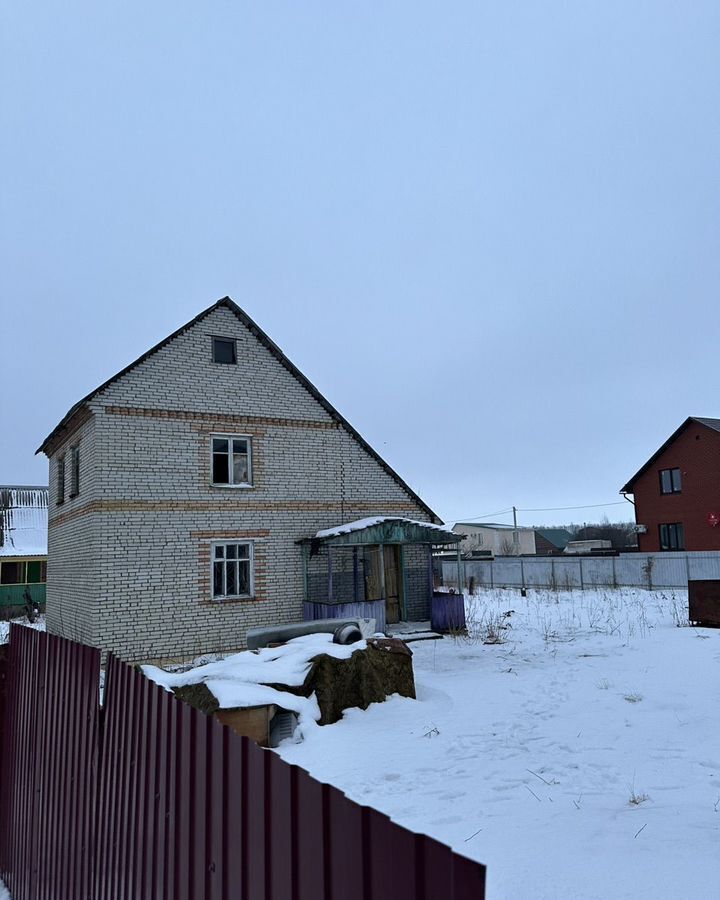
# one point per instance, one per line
(516, 536)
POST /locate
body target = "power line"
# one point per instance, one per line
(502, 512)
(590, 506)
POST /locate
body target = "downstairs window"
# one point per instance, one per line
(232, 570)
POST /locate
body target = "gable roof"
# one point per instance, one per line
(709, 423)
(273, 348)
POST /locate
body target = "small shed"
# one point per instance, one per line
(377, 568)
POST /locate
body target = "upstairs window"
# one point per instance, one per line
(223, 350)
(60, 481)
(231, 460)
(670, 481)
(74, 471)
(232, 574)
(672, 536)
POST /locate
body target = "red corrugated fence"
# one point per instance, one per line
(151, 799)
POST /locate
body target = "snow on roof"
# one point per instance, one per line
(360, 524)
(242, 680)
(23, 521)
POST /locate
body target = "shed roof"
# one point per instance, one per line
(556, 536)
(385, 530)
(273, 348)
(714, 424)
(23, 521)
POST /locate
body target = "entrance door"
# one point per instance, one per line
(393, 583)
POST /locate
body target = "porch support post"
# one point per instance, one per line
(330, 575)
(305, 559)
(381, 551)
(403, 610)
(431, 579)
(355, 574)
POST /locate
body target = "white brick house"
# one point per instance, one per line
(179, 488)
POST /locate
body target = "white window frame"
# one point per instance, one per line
(231, 437)
(251, 570)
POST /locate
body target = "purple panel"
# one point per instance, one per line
(392, 858)
(198, 802)
(468, 879)
(310, 838)
(370, 609)
(257, 821)
(435, 869)
(169, 847)
(347, 863)
(180, 850)
(235, 834)
(282, 826)
(448, 612)
(215, 811)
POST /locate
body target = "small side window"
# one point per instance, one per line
(60, 481)
(223, 350)
(74, 471)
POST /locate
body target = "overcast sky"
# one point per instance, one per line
(488, 232)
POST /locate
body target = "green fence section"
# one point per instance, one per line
(14, 594)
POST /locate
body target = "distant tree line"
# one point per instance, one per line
(620, 534)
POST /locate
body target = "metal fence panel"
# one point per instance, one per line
(49, 773)
(164, 802)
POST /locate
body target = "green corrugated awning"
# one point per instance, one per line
(384, 530)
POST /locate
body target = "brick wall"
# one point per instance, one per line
(130, 558)
(696, 452)
(74, 542)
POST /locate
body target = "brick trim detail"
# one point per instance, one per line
(218, 420)
(241, 503)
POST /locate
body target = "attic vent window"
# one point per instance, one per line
(224, 350)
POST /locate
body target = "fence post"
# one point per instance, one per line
(582, 580)
(614, 573)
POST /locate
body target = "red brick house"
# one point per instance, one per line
(677, 491)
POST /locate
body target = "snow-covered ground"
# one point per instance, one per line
(577, 757)
(5, 636)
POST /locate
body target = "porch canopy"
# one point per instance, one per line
(379, 567)
(385, 530)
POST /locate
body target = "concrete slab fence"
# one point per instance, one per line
(653, 571)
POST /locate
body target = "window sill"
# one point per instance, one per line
(232, 487)
(222, 601)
